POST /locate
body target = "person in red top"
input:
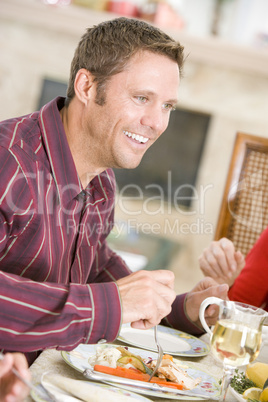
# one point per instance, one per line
(60, 283)
(247, 277)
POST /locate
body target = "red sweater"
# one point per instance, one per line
(251, 286)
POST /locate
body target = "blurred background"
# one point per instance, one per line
(167, 208)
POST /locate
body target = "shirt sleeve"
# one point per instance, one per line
(251, 285)
(107, 266)
(178, 318)
(37, 315)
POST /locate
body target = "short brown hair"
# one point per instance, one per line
(106, 48)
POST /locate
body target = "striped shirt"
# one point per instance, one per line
(57, 273)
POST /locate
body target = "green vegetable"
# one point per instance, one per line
(240, 383)
(135, 360)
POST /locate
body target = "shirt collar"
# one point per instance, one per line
(61, 161)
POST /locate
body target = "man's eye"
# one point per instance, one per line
(141, 99)
(168, 107)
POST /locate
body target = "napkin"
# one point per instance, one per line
(83, 390)
(58, 394)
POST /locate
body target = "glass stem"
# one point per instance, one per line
(226, 379)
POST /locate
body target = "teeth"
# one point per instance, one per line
(136, 137)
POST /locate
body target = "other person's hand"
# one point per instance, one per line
(11, 388)
(207, 287)
(221, 262)
(146, 297)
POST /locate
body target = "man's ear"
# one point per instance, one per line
(83, 85)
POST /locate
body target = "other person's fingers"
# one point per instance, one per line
(220, 262)
(11, 387)
(229, 252)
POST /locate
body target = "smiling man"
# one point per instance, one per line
(133, 114)
(60, 283)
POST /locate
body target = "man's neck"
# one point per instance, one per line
(73, 131)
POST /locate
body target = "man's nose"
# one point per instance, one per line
(155, 119)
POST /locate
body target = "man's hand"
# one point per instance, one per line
(221, 262)
(11, 388)
(207, 287)
(146, 297)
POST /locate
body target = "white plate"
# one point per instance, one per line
(66, 398)
(209, 387)
(173, 342)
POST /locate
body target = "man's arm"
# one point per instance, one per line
(107, 266)
(152, 292)
(37, 315)
(146, 296)
(185, 309)
(53, 315)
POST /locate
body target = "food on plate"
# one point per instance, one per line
(253, 384)
(121, 362)
(170, 371)
(134, 374)
(136, 361)
(105, 357)
(258, 373)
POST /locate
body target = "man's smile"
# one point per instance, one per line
(137, 137)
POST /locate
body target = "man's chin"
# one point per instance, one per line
(129, 165)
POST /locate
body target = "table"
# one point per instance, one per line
(51, 360)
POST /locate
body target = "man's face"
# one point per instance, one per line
(136, 112)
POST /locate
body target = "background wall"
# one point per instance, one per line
(225, 80)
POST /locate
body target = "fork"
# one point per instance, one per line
(160, 354)
(41, 392)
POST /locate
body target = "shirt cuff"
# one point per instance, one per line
(179, 319)
(106, 312)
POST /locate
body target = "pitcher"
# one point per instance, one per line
(237, 335)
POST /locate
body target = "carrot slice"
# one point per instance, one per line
(168, 357)
(134, 375)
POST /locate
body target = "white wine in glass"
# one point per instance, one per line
(235, 343)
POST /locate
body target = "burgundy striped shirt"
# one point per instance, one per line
(57, 273)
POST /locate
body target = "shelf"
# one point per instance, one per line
(73, 20)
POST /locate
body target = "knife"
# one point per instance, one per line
(93, 375)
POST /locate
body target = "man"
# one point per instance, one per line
(60, 284)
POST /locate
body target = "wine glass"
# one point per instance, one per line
(236, 337)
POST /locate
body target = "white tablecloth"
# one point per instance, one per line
(51, 360)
